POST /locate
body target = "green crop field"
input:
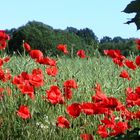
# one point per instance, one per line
(42, 123)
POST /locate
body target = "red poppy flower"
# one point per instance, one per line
(137, 90)
(62, 122)
(36, 78)
(100, 109)
(1, 74)
(3, 35)
(67, 93)
(131, 99)
(137, 115)
(36, 54)
(86, 136)
(5, 75)
(118, 61)
(111, 103)
(17, 80)
(37, 71)
(1, 94)
(47, 61)
(74, 110)
(137, 60)
(1, 90)
(130, 64)
(52, 70)
(3, 38)
(99, 95)
(2, 44)
(24, 76)
(102, 131)
(109, 122)
(113, 53)
(27, 46)
(70, 84)
(27, 89)
(119, 128)
(23, 112)
(88, 108)
(62, 48)
(127, 115)
(116, 56)
(137, 102)
(7, 37)
(6, 59)
(137, 41)
(81, 53)
(124, 74)
(21, 79)
(54, 95)
(1, 62)
(138, 47)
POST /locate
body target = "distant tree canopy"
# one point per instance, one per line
(134, 7)
(89, 39)
(126, 46)
(45, 38)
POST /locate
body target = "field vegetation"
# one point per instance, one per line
(65, 97)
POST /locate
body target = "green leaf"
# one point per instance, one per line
(136, 20)
(134, 6)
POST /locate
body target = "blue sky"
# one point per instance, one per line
(104, 17)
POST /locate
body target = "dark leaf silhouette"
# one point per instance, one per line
(134, 7)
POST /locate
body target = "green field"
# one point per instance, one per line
(42, 125)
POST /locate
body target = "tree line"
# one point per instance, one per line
(45, 38)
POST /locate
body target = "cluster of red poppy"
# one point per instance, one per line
(100, 104)
(5, 74)
(122, 61)
(63, 48)
(27, 82)
(138, 44)
(37, 54)
(3, 39)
